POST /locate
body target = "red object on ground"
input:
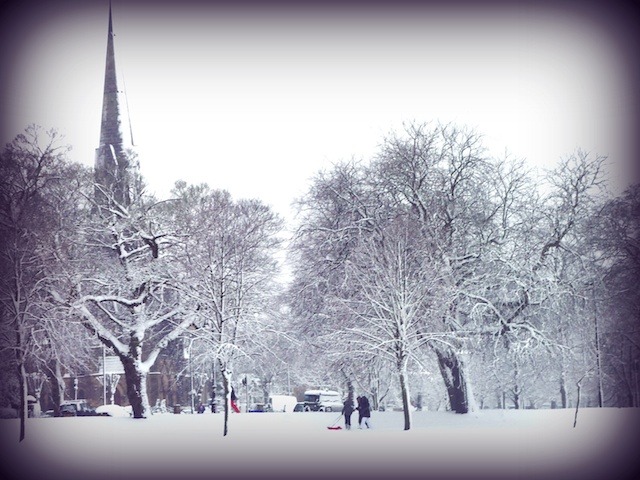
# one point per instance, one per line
(335, 428)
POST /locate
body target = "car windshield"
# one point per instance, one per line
(311, 398)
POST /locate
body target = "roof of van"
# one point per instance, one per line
(318, 392)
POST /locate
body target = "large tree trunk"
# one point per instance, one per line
(564, 402)
(227, 396)
(516, 391)
(24, 406)
(563, 390)
(136, 380)
(404, 390)
(455, 381)
(57, 384)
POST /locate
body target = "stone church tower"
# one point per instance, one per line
(116, 167)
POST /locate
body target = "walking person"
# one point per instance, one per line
(234, 399)
(359, 409)
(347, 410)
(364, 412)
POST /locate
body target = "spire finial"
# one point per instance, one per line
(110, 22)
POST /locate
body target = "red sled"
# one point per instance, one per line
(335, 428)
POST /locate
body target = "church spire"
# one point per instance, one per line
(114, 164)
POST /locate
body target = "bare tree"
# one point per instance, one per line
(482, 224)
(612, 234)
(393, 291)
(30, 168)
(336, 214)
(230, 270)
(485, 221)
(124, 287)
(464, 205)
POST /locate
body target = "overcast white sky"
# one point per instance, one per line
(255, 100)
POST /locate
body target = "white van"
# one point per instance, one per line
(322, 401)
(282, 403)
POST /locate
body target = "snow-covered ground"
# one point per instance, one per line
(492, 444)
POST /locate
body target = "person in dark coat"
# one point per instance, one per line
(359, 403)
(347, 410)
(364, 411)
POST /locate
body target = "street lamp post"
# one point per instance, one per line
(104, 376)
(246, 389)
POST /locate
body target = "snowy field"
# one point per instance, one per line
(492, 444)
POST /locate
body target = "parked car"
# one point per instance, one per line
(322, 401)
(299, 407)
(78, 408)
(282, 403)
(258, 407)
(113, 411)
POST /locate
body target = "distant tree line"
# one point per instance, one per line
(434, 259)
(431, 273)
